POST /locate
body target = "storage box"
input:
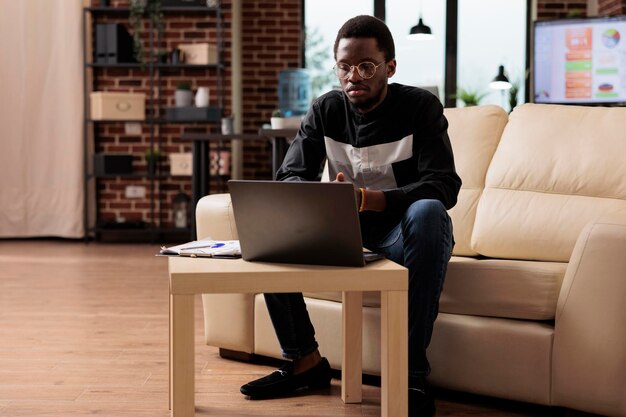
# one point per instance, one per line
(104, 164)
(118, 106)
(199, 53)
(180, 163)
(193, 114)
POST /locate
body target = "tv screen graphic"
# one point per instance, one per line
(580, 61)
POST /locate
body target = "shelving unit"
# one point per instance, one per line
(153, 78)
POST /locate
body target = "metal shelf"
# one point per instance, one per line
(157, 65)
(159, 121)
(156, 73)
(164, 9)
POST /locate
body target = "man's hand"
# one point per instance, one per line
(374, 199)
(357, 193)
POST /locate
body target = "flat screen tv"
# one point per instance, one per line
(580, 61)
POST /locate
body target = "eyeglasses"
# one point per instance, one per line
(365, 69)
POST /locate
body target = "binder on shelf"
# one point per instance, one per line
(114, 45)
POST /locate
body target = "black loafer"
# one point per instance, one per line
(421, 401)
(283, 382)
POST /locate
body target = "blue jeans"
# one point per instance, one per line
(422, 242)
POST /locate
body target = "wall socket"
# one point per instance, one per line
(135, 191)
(132, 128)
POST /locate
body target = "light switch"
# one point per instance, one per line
(135, 191)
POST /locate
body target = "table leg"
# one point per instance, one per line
(200, 176)
(394, 354)
(352, 330)
(182, 371)
(279, 148)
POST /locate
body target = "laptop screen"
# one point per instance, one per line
(297, 222)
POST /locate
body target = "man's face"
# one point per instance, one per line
(364, 94)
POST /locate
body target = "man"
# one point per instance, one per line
(390, 141)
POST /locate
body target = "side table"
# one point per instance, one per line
(190, 276)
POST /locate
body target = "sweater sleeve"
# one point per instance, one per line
(307, 151)
(437, 177)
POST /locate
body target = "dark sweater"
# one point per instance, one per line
(401, 147)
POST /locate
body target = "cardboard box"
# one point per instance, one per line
(118, 106)
(181, 163)
(199, 53)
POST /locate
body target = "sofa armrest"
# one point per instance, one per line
(215, 219)
(589, 356)
(228, 318)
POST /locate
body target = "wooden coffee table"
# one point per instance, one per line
(190, 276)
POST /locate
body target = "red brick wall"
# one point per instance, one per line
(552, 9)
(271, 42)
(611, 7)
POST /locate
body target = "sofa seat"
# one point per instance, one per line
(491, 287)
(502, 288)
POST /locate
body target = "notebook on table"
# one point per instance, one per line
(315, 223)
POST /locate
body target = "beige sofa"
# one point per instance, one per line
(534, 303)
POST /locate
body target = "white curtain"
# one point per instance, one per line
(41, 109)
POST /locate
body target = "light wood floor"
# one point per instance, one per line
(84, 331)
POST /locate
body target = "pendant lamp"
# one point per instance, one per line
(420, 32)
(500, 82)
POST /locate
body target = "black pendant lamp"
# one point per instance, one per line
(500, 82)
(420, 32)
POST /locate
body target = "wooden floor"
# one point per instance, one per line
(84, 331)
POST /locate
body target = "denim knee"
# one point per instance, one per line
(427, 211)
(426, 207)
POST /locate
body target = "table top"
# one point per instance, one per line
(278, 133)
(218, 136)
(207, 275)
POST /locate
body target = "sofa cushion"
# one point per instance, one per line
(491, 287)
(502, 288)
(474, 133)
(556, 168)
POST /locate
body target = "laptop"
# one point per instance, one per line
(315, 223)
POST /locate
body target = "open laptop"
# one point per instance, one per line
(298, 222)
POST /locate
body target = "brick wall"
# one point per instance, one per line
(551, 9)
(611, 7)
(271, 42)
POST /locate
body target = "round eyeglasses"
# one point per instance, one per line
(365, 69)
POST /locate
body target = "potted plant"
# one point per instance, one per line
(277, 119)
(151, 10)
(280, 121)
(183, 95)
(152, 154)
(513, 92)
(469, 97)
(162, 56)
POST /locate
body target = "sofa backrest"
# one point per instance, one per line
(556, 168)
(474, 133)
